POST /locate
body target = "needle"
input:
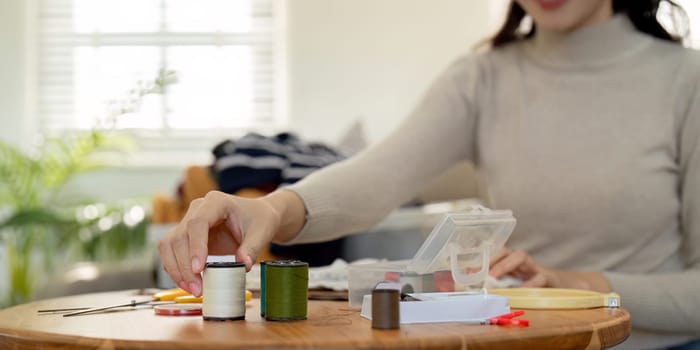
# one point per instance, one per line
(63, 310)
(132, 304)
(166, 296)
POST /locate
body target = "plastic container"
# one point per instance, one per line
(454, 257)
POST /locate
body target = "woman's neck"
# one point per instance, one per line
(587, 45)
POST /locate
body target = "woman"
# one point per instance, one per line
(587, 127)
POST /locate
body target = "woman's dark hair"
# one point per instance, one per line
(642, 13)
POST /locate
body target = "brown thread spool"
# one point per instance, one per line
(385, 309)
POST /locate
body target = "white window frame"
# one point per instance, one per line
(169, 148)
(692, 9)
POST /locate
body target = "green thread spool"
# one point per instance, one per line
(286, 290)
(262, 288)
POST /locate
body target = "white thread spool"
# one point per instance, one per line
(223, 291)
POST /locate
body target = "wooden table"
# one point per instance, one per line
(330, 324)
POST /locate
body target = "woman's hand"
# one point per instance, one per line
(221, 224)
(520, 265)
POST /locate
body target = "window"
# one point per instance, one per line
(692, 9)
(160, 66)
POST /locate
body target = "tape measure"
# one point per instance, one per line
(178, 310)
(170, 294)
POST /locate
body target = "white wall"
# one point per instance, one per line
(371, 59)
(347, 59)
(13, 121)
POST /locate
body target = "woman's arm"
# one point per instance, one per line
(336, 200)
(352, 195)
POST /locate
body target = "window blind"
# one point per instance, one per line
(155, 64)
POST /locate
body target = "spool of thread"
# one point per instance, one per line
(224, 291)
(286, 290)
(385, 309)
(262, 288)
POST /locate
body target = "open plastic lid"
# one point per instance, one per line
(464, 242)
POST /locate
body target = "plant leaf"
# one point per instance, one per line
(36, 216)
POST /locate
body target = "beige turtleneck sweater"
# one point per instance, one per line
(592, 138)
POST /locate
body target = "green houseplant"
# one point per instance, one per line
(39, 228)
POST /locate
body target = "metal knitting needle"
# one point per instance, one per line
(132, 304)
(63, 310)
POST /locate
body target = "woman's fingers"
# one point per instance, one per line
(205, 215)
(509, 263)
(181, 249)
(166, 249)
(256, 239)
(537, 281)
(520, 265)
(500, 255)
(167, 258)
(221, 223)
(184, 249)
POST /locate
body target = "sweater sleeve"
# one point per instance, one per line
(354, 194)
(670, 302)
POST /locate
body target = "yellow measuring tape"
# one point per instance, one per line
(556, 298)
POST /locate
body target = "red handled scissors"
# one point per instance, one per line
(509, 319)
